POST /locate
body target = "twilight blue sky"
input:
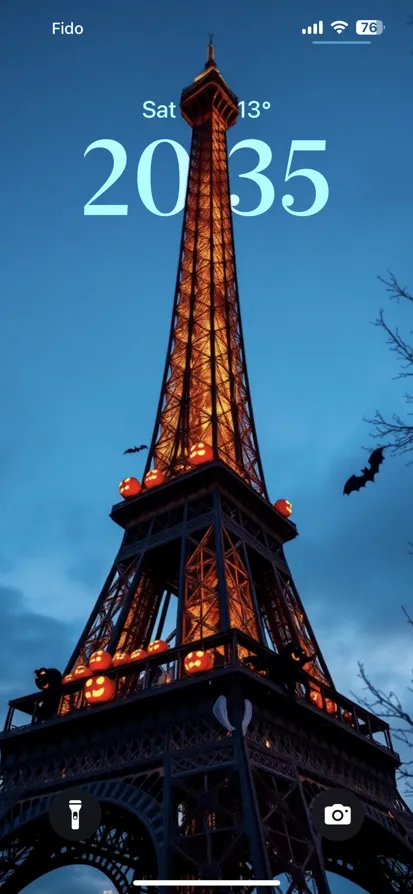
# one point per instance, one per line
(86, 302)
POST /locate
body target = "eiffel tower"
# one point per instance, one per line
(204, 764)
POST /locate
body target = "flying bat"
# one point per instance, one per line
(357, 481)
(135, 449)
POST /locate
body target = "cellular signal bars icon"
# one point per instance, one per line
(313, 29)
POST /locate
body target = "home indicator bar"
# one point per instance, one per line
(217, 883)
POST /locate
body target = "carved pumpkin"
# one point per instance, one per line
(81, 671)
(200, 453)
(196, 662)
(100, 661)
(121, 658)
(154, 477)
(68, 678)
(158, 645)
(284, 507)
(47, 678)
(330, 706)
(138, 655)
(130, 487)
(347, 717)
(316, 698)
(99, 689)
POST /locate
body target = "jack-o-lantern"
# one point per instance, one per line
(200, 453)
(138, 654)
(120, 658)
(99, 689)
(284, 507)
(154, 477)
(47, 678)
(330, 706)
(81, 671)
(158, 645)
(129, 487)
(68, 678)
(100, 661)
(347, 717)
(196, 662)
(316, 698)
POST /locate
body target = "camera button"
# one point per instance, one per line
(337, 814)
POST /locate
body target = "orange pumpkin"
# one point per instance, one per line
(154, 477)
(81, 671)
(121, 658)
(68, 678)
(330, 706)
(284, 507)
(99, 689)
(138, 654)
(200, 453)
(316, 698)
(100, 661)
(196, 662)
(158, 645)
(347, 717)
(130, 487)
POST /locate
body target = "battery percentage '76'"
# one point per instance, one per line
(369, 26)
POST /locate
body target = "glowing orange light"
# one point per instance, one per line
(153, 478)
(200, 453)
(316, 698)
(68, 678)
(99, 689)
(284, 507)
(100, 661)
(129, 487)
(138, 654)
(81, 671)
(120, 658)
(196, 662)
(348, 718)
(158, 645)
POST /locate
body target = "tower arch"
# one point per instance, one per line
(131, 827)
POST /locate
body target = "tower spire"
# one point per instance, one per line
(211, 52)
(205, 396)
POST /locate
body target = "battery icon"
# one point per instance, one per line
(369, 26)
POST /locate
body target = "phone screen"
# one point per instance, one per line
(199, 230)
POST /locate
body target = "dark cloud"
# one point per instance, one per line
(352, 557)
(29, 639)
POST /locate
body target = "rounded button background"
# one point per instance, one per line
(64, 821)
(343, 811)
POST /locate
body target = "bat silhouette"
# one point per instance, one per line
(135, 449)
(357, 481)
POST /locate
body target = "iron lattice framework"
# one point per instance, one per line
(205, 393)
(186, 795)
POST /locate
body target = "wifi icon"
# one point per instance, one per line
(339, 27)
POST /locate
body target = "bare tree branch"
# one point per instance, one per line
(397, 344)
(409, 620)
(393, 287)
(390, 708)
(397, 431)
